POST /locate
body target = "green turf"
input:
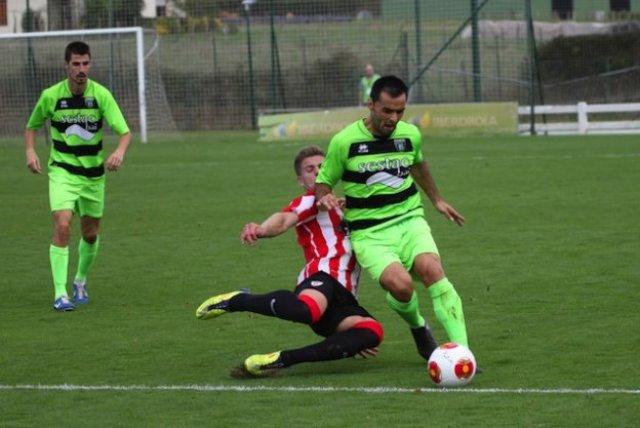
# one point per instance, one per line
(548, 268)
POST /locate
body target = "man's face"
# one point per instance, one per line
(78, 68)
(309, 171)
(368, 71)
(386, 113)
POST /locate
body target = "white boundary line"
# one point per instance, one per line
(364, 390)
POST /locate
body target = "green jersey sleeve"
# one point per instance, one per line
(111, 112)
(39, 113)
(416, 140)
(333, 165)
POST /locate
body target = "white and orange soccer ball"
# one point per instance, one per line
(452, 365)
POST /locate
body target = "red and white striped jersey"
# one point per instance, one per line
(324, 241)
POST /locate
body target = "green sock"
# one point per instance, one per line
(448, 309)
(86, 256)
(59, 257)
(409, 311)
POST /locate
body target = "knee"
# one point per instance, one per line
(62, 231)
(374, 327)
(90, 233)
(90, 237)
(399, 286)
(431, 272)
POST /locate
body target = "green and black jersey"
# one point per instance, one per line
(375, 174)
(76, 126)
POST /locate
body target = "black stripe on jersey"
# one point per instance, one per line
(96, 171)
(362, 177)
(80, 150)
(365, 224)
(77, 102)
(89, 126)
(394, 145)
(379, 201)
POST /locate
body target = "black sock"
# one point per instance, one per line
(281, 303)
(339, 345)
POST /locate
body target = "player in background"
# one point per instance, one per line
(325, 297)
(378, 159)
(76, 108)
(366, 83)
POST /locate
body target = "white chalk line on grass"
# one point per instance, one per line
(364, 390)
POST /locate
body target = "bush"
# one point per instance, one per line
(566, 58)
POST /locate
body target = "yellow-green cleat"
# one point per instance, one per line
(215, 306)
(263, 364)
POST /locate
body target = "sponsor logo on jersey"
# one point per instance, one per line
(88, 119)
(400, 165)
(316, 283)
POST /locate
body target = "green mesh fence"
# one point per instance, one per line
(221, 63)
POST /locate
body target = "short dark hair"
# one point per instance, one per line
(77, 48)
(392, 85)
(305, 152)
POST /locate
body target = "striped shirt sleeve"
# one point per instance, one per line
(304, 206)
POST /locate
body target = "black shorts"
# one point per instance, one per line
(340, 302)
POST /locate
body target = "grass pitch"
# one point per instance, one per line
(548, 268)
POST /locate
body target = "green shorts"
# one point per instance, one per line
(82, 195)
(399, 242)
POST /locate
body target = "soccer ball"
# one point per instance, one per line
(452, 365)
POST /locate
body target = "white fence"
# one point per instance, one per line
(582, 125)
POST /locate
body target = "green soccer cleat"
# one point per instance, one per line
(260, 365)
(215, 306)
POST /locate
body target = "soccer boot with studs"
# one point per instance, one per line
(215, 306)
(260, 365)
(425, 343)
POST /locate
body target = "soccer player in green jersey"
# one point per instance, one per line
(76, 108)
(379, 160)
(366, 83)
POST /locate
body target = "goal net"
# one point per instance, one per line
(125, 60)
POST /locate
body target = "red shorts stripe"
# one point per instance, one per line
(316, 313)
(374, 326)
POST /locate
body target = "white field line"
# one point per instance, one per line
(296, 389)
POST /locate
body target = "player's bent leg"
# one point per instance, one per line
(395, 278)
(359, 334)
(447, 304)
(283, 304)
(215, 306)
(400, 294)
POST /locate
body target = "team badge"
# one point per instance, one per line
(89, 102)
(400, 145)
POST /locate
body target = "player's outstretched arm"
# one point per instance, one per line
(33, 161)
(422, 175)
(275, 225)
(115, 160)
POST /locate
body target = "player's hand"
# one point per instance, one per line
(115, 160)
(449, 212)
(33, 162)
(342, 203)
(328, 202)
(367, 353)
(250, 233)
